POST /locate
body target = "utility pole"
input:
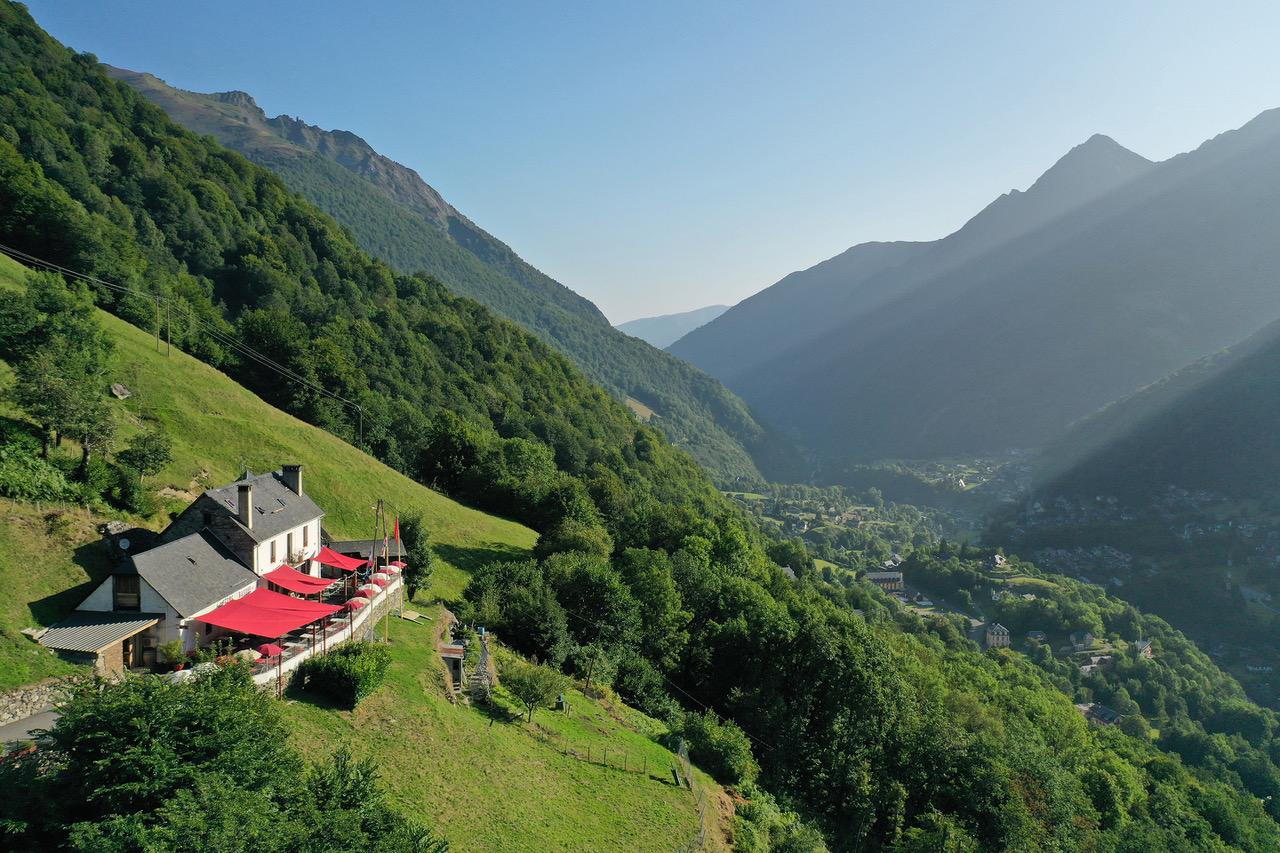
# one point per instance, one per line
(590, 669)
(157, 324)
(168, 328)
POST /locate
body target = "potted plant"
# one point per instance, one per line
(173, 654)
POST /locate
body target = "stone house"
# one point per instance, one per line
(997, 636)
(214, 552)
(888, 581)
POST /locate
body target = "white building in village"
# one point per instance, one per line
(217, 551)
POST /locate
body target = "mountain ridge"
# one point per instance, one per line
(861, 278)
(397, 216)
(1097, 299)
(665, 329)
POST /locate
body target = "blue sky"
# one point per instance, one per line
(658, 157)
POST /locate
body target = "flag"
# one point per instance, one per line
(397, 528)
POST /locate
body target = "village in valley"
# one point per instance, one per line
(864, 539)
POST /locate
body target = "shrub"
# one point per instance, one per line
(532, 684)
(347, 674)
(172, 652)
(133, 496)
(418, 555)
(719, 747)
(640, 684)
(26, 477)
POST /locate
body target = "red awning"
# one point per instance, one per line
(295, 581)
(264, 613)
(330, 557)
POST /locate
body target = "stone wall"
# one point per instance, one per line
(28, 701)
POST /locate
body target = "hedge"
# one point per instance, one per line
(347, 674)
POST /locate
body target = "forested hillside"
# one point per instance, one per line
(1172, 493)
(1214, 424)
(396, 216)
(880, 734)
(1107, 274)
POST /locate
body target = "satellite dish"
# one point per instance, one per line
(123, 542)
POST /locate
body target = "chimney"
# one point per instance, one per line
(292, 476)
(244, 504)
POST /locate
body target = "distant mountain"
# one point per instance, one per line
(808, 304)
(664, 330)
(394, 214)
(1105, 275)
(1213, 425)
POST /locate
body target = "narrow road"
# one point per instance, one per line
(21, 730)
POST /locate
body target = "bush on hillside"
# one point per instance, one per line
(760, 826)
(417, 552)
(347, 674)
(640, 685)
(574, 535)
(719, 747)
(206, 764)
(533, 685)
(26, 477)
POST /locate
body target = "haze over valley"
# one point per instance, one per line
(330, 521)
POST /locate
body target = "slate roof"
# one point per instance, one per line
(276, 509)
(190, 573)
(92, 631)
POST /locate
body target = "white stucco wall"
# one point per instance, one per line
(262, 562)
(102, 598)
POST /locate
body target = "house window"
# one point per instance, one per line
(273, 552)
(306, 537)
(288, 539)
(127, 592)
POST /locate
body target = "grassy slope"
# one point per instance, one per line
(48, 557)
(478, 783)
(497, 783)
(218, 428)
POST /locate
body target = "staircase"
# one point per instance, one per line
(479, 684)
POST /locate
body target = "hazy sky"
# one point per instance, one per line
(658, 157)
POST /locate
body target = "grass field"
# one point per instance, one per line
(485, 782)
(489, 781)
(640, 410)
(49, 558)
(1030, 584)
(218, 428)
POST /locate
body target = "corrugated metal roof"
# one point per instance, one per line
(93, 631)
(363, 546)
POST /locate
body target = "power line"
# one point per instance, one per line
(220, 336)
(244, 349)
